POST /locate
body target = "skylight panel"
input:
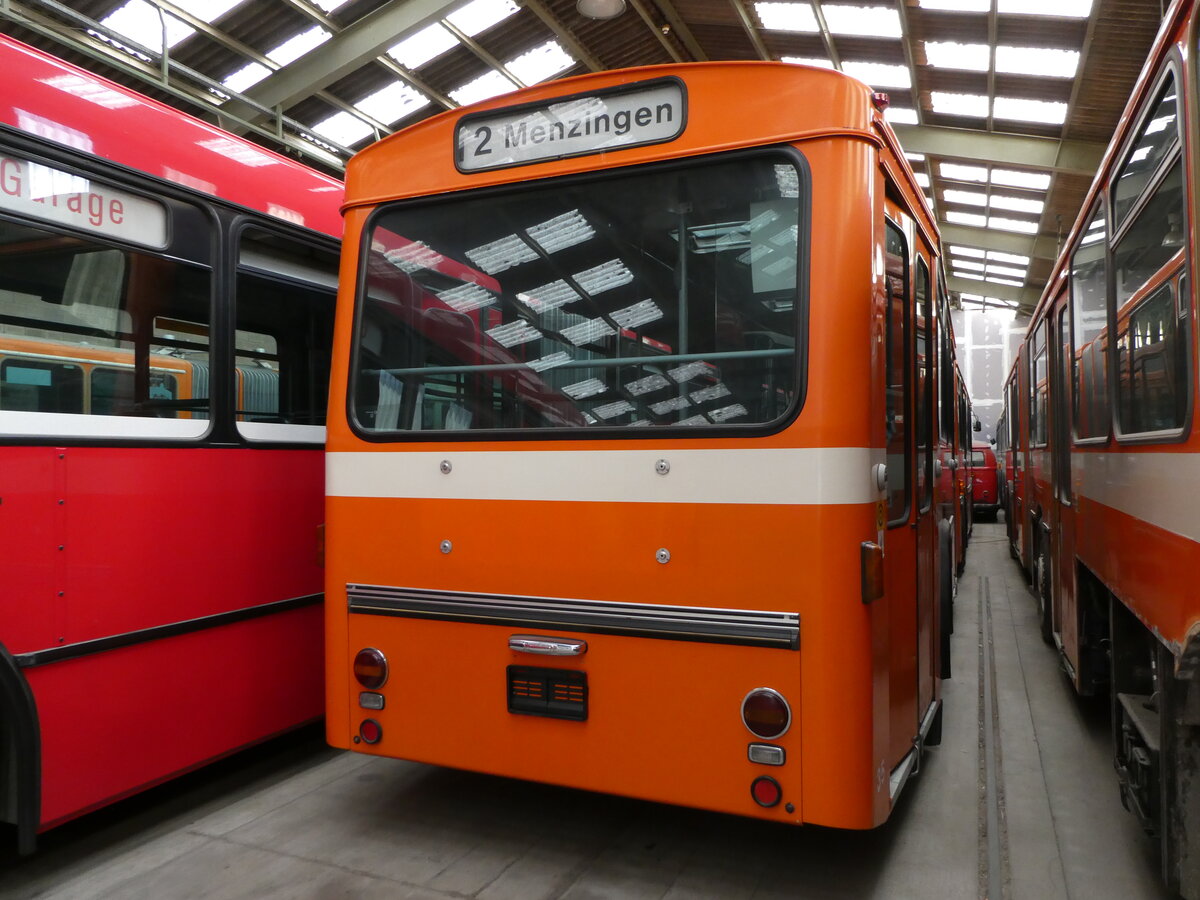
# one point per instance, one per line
(480, 15)
(422, 46)
(957, 5)
(1066, 9)
(211, 10)
(1015, 258)
(1010, 178)
(956, 172)
(786, 16)
(818, 61)
(1006, 271)
(990, 280)
(974, 276)
(966, 218)
(1030, 110)
(1022, 226)
(950, 55)
(295, 47)
(959, 250)
(246, 77)
(1042, 60)
(915, 157)
(959, 104)
(968, 264)
(878, 74)
(139, 21)
(969, 198)
(542, 62)
(490, 84)
(343, 128)
(1017, 204)
(922, 179)
(863, 21)
(900, 115)
(392, 103)
(562, 231)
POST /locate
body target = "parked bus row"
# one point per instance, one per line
(592, 472)
(1099, 451)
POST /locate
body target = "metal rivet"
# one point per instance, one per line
(61, 502)
(663, 555)
(446, 546)
(61, 593)
(790, 808)
(357, 739)
(446, 466)
(662, 467)
(62, 547)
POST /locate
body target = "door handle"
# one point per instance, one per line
(546, 646)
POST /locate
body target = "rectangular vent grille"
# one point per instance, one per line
(557, 693)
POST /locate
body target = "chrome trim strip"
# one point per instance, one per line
(749, 627)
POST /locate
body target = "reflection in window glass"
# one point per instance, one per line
(977, 459)
(925, 349)
(285, 297)
(1155, 236)
(1152, 384)
(1039, 379)
(899, 453)
(646, 299)
(1154, 142)
(1089, 310)
(123, 333)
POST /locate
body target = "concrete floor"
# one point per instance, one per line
(294, 819)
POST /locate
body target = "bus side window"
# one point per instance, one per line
(283, 341)
(898, 452)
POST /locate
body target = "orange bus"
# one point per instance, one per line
(1100, 413)
(632, 458)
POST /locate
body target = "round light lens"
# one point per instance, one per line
(370, 731)
(371, 668)
(766, 713)
(766, 791)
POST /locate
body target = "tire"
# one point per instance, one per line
(1043, 587)
(946, 607)
(934, 736)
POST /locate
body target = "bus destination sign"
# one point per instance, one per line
(651, 112)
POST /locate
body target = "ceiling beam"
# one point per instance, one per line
(1035, 246)
(1072, 157)
(681, 30)
(743, 15)
(576, 49)
(659, 34)
(346, 51)
(1026, 297)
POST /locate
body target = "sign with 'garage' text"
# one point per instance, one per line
(650, 112)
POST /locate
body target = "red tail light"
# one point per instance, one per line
(766, 713)
(766, 791)
(371, 668)
(370, 731)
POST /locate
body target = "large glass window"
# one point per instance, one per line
(90, 329)
(925, 353)
(1040, 387)
(285, 297)
(657, 297)
(1152, 366)
(1089, 310)
(1154, 144)
(899, 453)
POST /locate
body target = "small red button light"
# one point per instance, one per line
(766, 791)
(370, 732)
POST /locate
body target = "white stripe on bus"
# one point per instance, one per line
(810, 476)
(1158, 488)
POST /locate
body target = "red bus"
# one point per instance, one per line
(166, 300)
(592, 470)
(985, 495)
(1101, 427)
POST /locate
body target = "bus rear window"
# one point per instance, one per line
(666, 296)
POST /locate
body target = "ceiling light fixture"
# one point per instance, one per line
(600, 9)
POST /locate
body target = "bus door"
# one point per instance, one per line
(934, 479)
(1062, 553)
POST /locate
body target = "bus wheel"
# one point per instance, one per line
(1041, 584)
(946, 605)
(1178, 771)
